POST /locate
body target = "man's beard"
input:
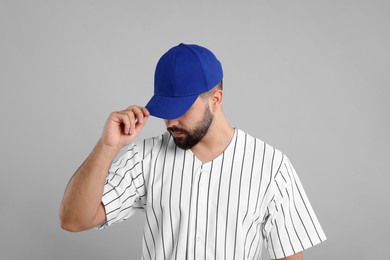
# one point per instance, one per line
(191, 138)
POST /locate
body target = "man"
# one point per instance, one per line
(208, 190)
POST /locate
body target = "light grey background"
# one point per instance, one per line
(309, 77)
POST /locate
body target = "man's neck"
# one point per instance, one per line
(216, 140)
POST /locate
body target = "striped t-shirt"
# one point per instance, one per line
(227, 208)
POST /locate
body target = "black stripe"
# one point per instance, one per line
(154, 175)
(280, 241)
(118, 197)
(129, 207)
(136, 176)
(196, 214)
(216, 215)
(283, 177)
(254, 237)
(181, 189)
(277, 185)
(151, 233)
(120, 168)
(117, 162)
(270, 179)
(131, 148)
(285, 226)
(230, 181)
(170, 199)
(280, 165)
(238, 199)
(123, 177)
(146, 244)
(250, 182)
(142, 185)
(112, 211)
(296, 209)
(207, 211)
(190, 204)
(304, 203)
(161, 197)
(143, 158)
(146, 211)
(247, 233)
(272, 244)
(261, 178)
(258, 190)
(271, 200)
(129, 198)
(258, 193)
(292, 221)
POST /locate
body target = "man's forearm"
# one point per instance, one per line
(297, 256)
(82, 197)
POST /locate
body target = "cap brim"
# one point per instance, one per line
(169, 107)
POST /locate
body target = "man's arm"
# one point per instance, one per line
(81, 207)
(297, 256)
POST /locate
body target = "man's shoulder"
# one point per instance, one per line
(271, 157)
(260, 144)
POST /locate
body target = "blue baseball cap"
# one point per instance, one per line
(182, 74)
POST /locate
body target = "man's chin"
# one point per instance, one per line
(181, 143)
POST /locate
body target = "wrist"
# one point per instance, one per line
(108, 150)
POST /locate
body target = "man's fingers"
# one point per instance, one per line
(140, 125)
(139, 114)
(124, 119)
(133, 117)
(145, 111)
(122, 126)
(132, 121)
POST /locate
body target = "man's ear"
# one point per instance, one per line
(216, 98)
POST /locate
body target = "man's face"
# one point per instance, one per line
(190, 128)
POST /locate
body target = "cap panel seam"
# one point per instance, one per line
(201, 64)
(174, 74)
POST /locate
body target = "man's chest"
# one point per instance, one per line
(229, 191)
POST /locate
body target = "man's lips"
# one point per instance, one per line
(176, 134)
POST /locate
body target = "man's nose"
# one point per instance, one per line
(170, 122)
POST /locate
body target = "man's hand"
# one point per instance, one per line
(123, 126)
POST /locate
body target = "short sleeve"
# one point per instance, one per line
(290, 225)
(124, 191)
